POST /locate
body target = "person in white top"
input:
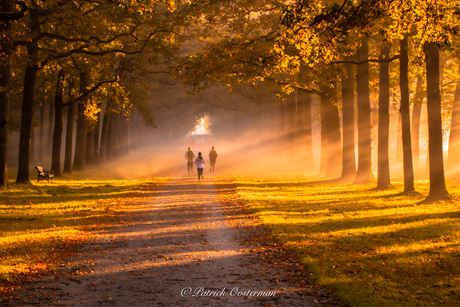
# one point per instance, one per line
(199, 161)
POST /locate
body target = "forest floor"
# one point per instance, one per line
(185, 248)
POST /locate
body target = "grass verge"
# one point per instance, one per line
(39, 222)
(371, 247)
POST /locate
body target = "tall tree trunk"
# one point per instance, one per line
(364, 172)
(69, 131)
(28, 100)
(324, 152)
(332, 130)
(80, 144)
(304, 121)
(89, 154)
(453, 157)
(41, 132)
(97, 137)
(27, 116)
(32, 144)
(348, 139)
(69, 138)
(5, 85)
(291, 118)
(282, 128)
(58, 124)
(49, 138)
(104, 136)
(415, 127)
(383, 179)
(112, 149)
(405, 117)
(437, 180)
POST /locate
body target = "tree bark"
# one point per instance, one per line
(348, 133)
(69, 132)
(5, 85)
(104, 136)
(438, 189)
(27, 116)
(323, 121)
(304, 122)
(453, 157)
(415, 127)
(364, 172)
(404, 109)
(96, 145)
(58, 125)
(41, 132)
(80, 144)
(291, 119)
(383, 178)
(112, 149)
(333, 134)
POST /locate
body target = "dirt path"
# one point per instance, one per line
(181, 251)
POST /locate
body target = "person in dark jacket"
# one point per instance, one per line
(212, 158)
(189, 156)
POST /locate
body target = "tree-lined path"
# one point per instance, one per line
(183, 240)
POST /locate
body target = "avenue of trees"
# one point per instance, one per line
(347, 65)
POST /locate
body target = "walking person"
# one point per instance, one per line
(199, 161)
(189, 156)
(212, 158)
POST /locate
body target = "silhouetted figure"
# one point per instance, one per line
(199, 161)
(212, 158)
(189, 156)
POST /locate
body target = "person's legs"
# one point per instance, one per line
(200, 173)
(190, 167)
(213, 164)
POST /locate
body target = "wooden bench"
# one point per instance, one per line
(42, 174)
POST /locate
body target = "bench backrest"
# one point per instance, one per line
(40, 170)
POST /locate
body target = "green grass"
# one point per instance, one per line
(370, 247)
(38, 219)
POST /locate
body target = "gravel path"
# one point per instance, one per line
(185, 249)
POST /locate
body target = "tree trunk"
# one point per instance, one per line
(58, 125)
(80, 144)
(41, 132)
(97, 137)
(27, 116)
(383, 179)
(5, 83)
(69, 132)
(304, 122)
(404, 109)
(89, 154)
(324, 153)
(49, 138)
(364, 172)
(69, 138)
(333, 134)
(453, 157)
(112, 148)
(291, 119)
(32, 144)
(438, 189)
(104, 136)
(348, 133)
(415, 127)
